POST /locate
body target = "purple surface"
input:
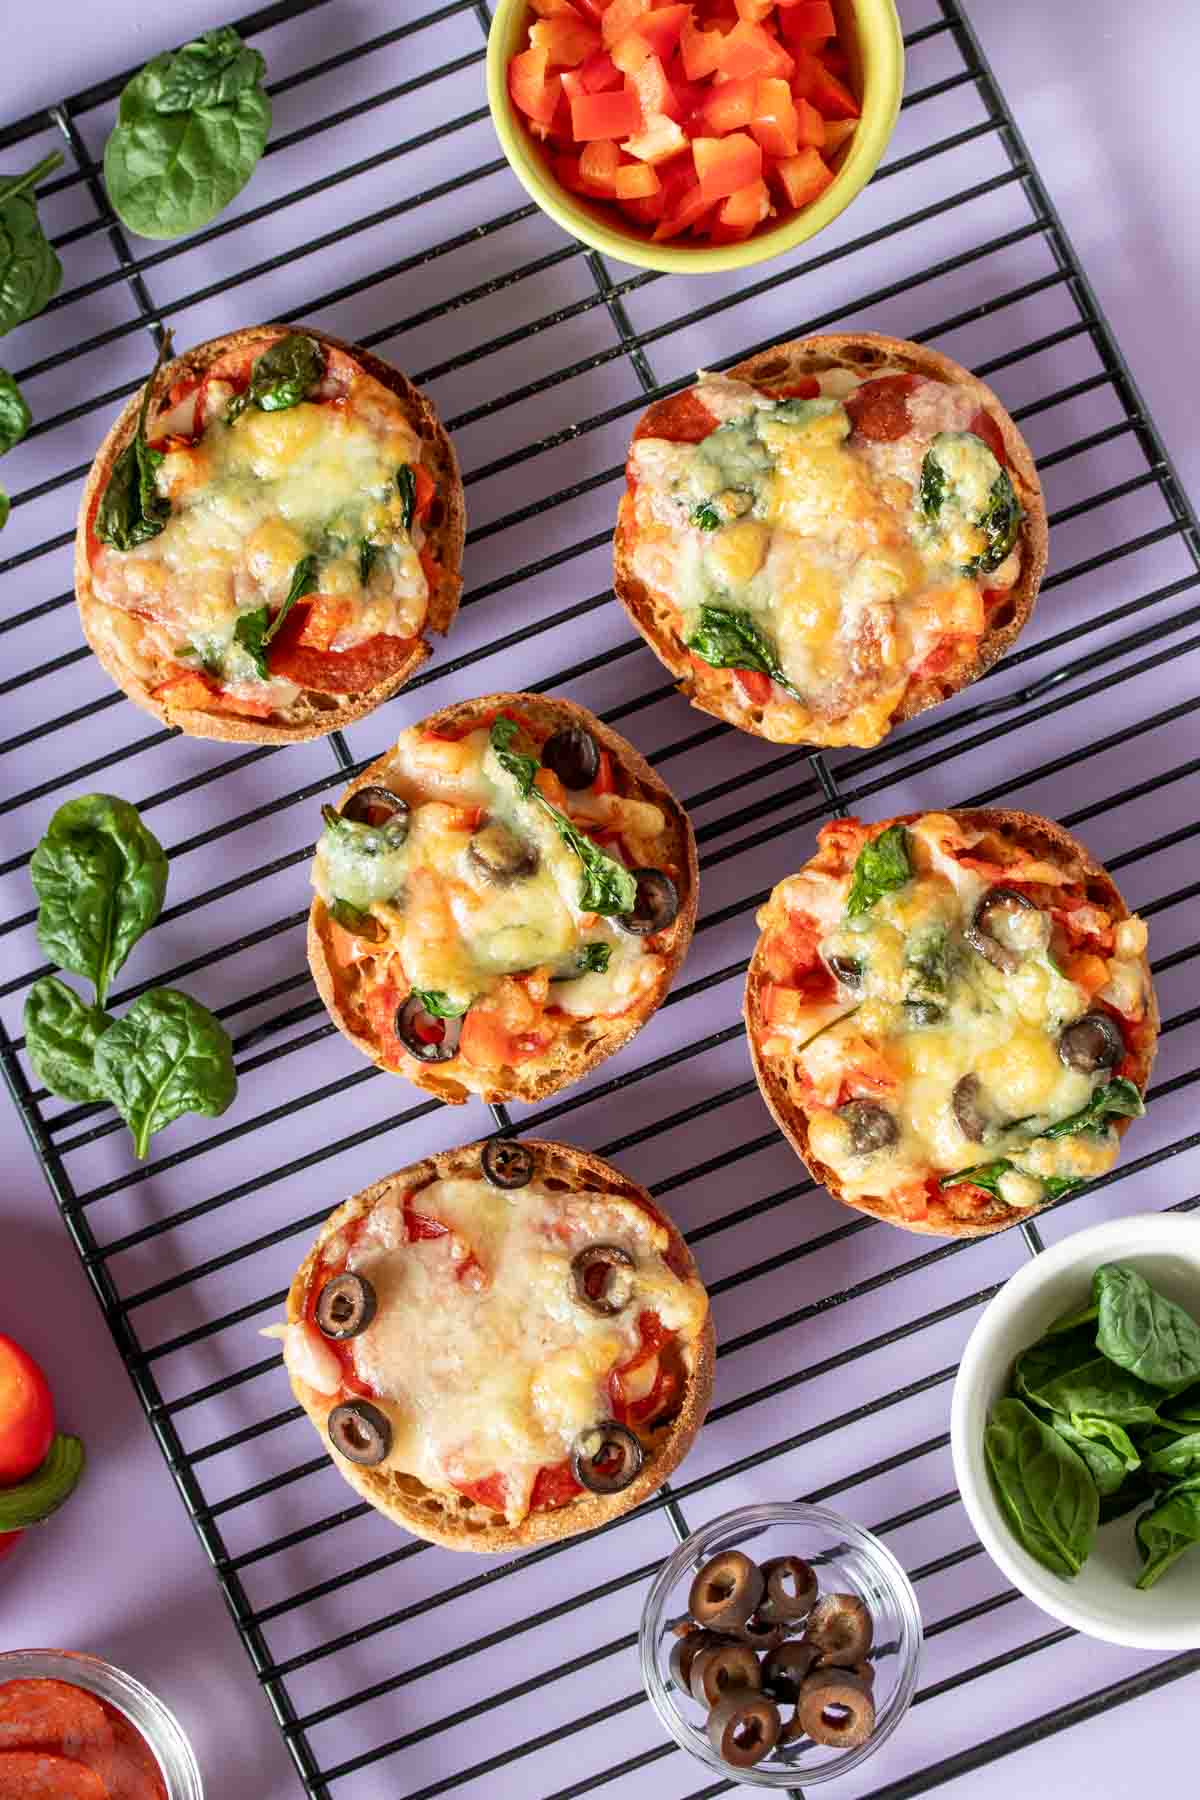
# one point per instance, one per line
(120, 1571)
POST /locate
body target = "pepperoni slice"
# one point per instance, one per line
(41, 1714)
(335, 671)
(984, 426)
(805, 387)
(554, 1485)
(879, 409)
(32, 1775)
(680, 418)
(133, 1772)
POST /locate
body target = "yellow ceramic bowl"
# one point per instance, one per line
(870, 33)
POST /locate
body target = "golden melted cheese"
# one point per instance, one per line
(248, 502)
(479, 1353)
(821, 542)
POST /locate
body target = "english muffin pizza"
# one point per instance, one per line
(269, 532)
(951, 1017)
(834, 536)
(502, 899)
(501, 1345)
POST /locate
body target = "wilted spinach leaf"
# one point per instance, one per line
(131, 510)
(706, 516)
(1143, 1331)
(1042, 1486)
(30, 272)
(190, 129)
(728, 638)
(1170, 1528)
(882, 866)
(100, 877)
(1116, 1099)
(606, 886)
(15, 416)
(439, 1005)
(281, 377)
(983, 1175)
(167, 1056)
(367, 552)
(353, 919)
(255, 630)
(594, 958)
(406, 483)
(61, 1034)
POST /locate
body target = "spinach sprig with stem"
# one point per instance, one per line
(30, 272)
(131, 510)
(606, 886)
(255, 631)
(728, 638)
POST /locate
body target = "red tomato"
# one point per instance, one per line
(26, 1414)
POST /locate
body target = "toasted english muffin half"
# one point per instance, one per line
(927, 1042)
(187, 645)
(864, 602)
(481, 904)
(485, 1378)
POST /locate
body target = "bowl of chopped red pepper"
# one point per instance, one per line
(697, 137)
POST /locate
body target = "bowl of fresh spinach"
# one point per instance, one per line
(1075, 1431)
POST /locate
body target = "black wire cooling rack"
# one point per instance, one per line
(391, 1666)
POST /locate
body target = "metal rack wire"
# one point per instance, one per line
(224, 1212)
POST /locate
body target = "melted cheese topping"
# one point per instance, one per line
(479, 1353)
(822, 542)
(456, 930)
(248, 502)
(926, 1011)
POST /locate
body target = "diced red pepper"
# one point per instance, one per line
(810, 18)
(661, 142)
(661, 28)
(746, 208)
(619, 17)
(636, 181)
(647, 211)
(598, 167)
(755, 687)
(811, 80)
(835, 60)
(754, 10)
(804, 177)
(749, 50)
(701, 51)
(730, 106)
(599, 73)
(566, 41)
(610, 115)
(531, 90)
(554, 9)
(655, 94)
(726, 164)
(774, 124)
(810, 126)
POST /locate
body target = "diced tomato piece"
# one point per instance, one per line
(984, 426)
(746, 208)
(810, 126)
(553, 1486)
(531, 90)
(755, 687)
(380, 1005)
(567, 42)
(774, 124)
(726, 164)
(419, 1228)
(186, 689)
(327, 615)
(599, 73)
(598, 167)
(661, 28)
(748, 50)
(879, 409)
(486, 1044)
(662, 139)
(811, 18)
(603, 783)
(701, 51)
(729, 106)
(804, 177)
(636, 181)
(654, 91)
(609, 115)
(619, 17)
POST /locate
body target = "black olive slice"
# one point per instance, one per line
(872, 1126)
(573, 755)
(841, 1630)
(835, 1707)
(975, 1118)
(719, 1667)
(428, 1039)
(847, 969)
(743, 1728)
(500, 854)
(1091, 1043)
(375, 806)
(791, 1588)
(786, 1668)
(726, 1591)
(979, 932)
(598, 1281)
(762, 1633)
(360, 1432)
(684, 1652)
(506, 1163)
(345, 1306)
(606, 1457)
(656, 905)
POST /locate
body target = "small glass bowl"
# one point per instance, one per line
(157, 1724)
(848, 1560)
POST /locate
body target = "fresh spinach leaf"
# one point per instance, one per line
(406, 483)
(15, 416)
(61, 1034)
(729, 639)
(167, 1056)
(352, 919)
(606, 886)
(1099, 1389)
(30, 272)
(1134, 1491)
(1183, 1411)
(1116, 1099)
(1058, 1353)
(100, 877)
(1179, 1459)
(1170, 1528)
(367, 552)
(706, 516)
(439, 1005)
(1104, 1431)
(593, 959)
(190, 129)
(283, 376)
(255, 630)
(882, 866)
(1104, 1466)
(131, 510)
(1144, 1332)
(1081, 1315)
(1042, 1486)
(4, 509)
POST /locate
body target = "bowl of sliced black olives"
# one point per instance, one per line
(780, 1644)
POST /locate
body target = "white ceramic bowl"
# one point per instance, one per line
(1101, 1600)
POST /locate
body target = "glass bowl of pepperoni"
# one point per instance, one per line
(691, 138)
(80, 1729)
